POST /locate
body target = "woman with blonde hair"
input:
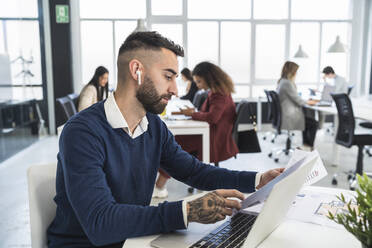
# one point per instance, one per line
(293, 118)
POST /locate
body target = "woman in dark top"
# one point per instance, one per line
(191, 85)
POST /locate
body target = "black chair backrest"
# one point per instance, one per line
(269, 105)
(349, 89)
(247, 140)
(276, 111)
(67, 106)
(241, 110)
(199, 98)
(346, 120)
(75, 99)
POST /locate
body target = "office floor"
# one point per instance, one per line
(14, 215)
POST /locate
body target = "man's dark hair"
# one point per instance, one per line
(151, 41)
(328, 70)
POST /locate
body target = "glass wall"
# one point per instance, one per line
(249, 39)
(20, 50)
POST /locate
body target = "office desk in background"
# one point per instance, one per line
(191, 127)
(289, 234)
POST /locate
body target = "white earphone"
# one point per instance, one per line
(138, 72)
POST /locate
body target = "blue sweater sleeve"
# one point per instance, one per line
(105, 221)
(186, 168)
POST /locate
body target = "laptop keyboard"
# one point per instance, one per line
(231, 233)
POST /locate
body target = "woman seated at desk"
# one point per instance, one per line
(218, 110)
(191, 88)
(293, 116)
(96, 90)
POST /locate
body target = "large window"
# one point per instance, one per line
(249, 39)
(20, 42)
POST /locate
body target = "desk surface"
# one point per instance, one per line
(362, 108)
(290, 234)
(185, 124)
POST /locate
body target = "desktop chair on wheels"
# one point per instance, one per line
(277, 122)
(346, 134)
(270, 108)
(367, 149)
(332, 128)
(67, 106)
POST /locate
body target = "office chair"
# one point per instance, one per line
(277, 122)
(349, 89)
(346, 134)
(246, 141)
(199, 98)
(368, 125)
(75, 99)
(331, 129)
(68, 106)
(270, 117)
(41, 191)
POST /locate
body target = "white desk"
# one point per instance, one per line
(191, 127)
(291, 234)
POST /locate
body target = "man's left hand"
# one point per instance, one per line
(268, 176)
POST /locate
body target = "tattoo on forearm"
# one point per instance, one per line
(206, 209)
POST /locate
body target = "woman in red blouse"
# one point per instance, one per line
(218, 110)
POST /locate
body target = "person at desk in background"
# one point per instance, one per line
(191, 88)
(96, 90)
(339, 83)
(218, 110)
(293, 116)
(110, 153)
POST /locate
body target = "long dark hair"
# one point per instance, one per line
(100, 71)
(187, 74)
(215, 78)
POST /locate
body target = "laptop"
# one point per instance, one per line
(244, 229)
(326, 98)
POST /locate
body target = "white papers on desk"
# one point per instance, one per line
(261, 195)
(312, 207)
(298, 159)
(177, 117)
(318, 172)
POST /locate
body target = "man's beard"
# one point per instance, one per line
(150, 98)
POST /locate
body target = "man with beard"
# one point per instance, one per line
(109, 155)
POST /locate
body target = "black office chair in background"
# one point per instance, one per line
(199, 98)
(246, 140)
(75, 99)
(270, 108)
(67, 106)
(277, 122)
(346, 136)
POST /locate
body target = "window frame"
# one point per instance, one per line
(253, 81)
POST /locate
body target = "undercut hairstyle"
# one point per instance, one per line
(328, 70)
(215, 78)
(149, 41)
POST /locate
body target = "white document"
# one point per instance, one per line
(317, 173)
(261, 195)
(312, 207)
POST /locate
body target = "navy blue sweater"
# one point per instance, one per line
(105, 181)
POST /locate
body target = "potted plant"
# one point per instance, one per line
(358, 220)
